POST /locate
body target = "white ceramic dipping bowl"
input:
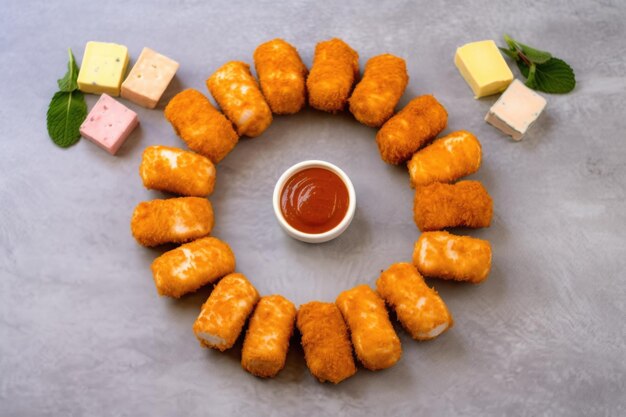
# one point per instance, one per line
(311, 237)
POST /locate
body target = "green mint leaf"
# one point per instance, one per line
(533, 55)
(530, 81)
(69, 81)
(66, 113)
(509, 41)
(514, 55)
(555, 76)
(542, 71)
(523, 68)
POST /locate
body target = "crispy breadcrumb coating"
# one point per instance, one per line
(238, 95)
(225, 312)
(325, 341)
(191, 266)
(447, 256)
(376, 95)
(419, 308)
(267, 340)
(176, 220)
(335, 68)
(466, 203)
(415, 125)
(375, 341)
(446, 159)
(282, 76)
(200, 125)
(176, 171)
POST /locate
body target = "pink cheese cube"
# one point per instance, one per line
(109, 123)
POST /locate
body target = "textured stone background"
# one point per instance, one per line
(82, 331)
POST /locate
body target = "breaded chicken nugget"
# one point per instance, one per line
(416, 124)
(176, 171)
(447, 256)
(376, 95)
(267, 340)
(466, 203)
(419, 308)
(225, 312)
(204, 129)
(446, 159)
(175, 220)
(238, 94)
(282, 76)
(375, 341)
(191, 266)
(335, 68)
(325, 341)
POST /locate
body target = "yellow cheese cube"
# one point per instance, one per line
(483, 67)
(103, 67)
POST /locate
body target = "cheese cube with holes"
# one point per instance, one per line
(149, 78)
(447, 256)
(516, 110)
(225, 312)
(191, 266)
(419, 308)
(482, 66)
(176, 171)
(238, 95)
(175, 220)
(103, 68)
(446, 159)
(375, 341)
(267, 340)
(108, 124)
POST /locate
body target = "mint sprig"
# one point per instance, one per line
(69, 82)
(543, 71)
(67, 109)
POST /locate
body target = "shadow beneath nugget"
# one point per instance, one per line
(175, 87)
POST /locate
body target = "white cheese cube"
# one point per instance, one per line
(516, 110)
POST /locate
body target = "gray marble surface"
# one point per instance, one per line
(83, 332)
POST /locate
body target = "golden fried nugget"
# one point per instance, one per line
(176, 220)
(447, 256)
(419, 308)
(375, 341)
(238, 95)
(446, 159)
(325, 341)
(225, 312)
(335, 68)
(376, 95)
(191, 266)
(176, 171)
(282, 76)
(267, 340)
(466, 203)
(200, 125)
(406, 132)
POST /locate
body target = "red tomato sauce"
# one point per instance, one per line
(314, 200)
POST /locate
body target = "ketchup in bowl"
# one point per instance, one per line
(314, 200)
